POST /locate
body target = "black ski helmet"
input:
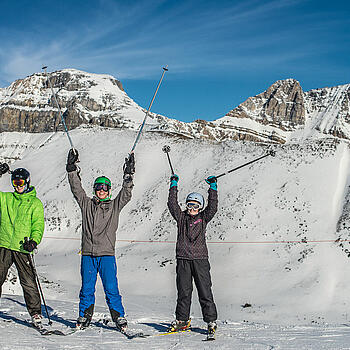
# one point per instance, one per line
(21, 173)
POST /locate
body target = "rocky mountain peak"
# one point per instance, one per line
(73, 79)
(281, 106)
(28, 105)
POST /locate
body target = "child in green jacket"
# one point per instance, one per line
(21, 215)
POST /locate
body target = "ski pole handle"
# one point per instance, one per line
(166, 149)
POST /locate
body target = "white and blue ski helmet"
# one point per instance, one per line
(196, 197)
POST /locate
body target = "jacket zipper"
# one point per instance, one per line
(15, 219)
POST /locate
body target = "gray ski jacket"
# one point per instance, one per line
(99, 219)
(191, 243)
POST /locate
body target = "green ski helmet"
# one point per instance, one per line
(105, 181)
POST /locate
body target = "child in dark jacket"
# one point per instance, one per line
(192, 254)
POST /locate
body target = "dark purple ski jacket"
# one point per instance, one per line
(191, 242)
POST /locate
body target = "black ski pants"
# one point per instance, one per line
(199, 271)
(26, 277)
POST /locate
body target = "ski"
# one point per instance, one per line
(173, 332)
(45, 331)
(128, 333)
(131, 334)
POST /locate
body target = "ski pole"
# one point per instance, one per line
(270, 153)
(59, 108)
(165, 69)
(166, 149)
(32, 265)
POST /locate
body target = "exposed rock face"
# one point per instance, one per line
(281, 106)
(28, 105)
(275, 116)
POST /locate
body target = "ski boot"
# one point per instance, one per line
(178, 325)
(83, 322)
(36, 321)
(211, 330)
(121, 323)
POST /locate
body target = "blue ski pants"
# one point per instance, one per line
(107, 268)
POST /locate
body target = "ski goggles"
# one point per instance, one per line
(18, 182)
(192, 205)
(102, 187)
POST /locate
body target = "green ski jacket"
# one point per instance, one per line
(21, 215)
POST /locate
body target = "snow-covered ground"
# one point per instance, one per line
(152, 317)
(270, 243)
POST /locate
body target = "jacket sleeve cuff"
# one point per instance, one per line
(173, 183)
(128, 180)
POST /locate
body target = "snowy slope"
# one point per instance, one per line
(291, 202)
(328, 109)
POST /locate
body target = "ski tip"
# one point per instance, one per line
(44, 67)
(166, 68)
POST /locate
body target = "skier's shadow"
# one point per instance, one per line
(10, 318)
(163, 327)
(199, 330)
(160, 327)
(53, 317)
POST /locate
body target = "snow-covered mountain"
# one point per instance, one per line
(284, 112)
(281, 113)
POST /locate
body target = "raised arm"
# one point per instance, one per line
(74, 178)
(125, 193)
(4, 168)
(212, 206)
(173, 204)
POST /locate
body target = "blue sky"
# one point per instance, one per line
(219, 52)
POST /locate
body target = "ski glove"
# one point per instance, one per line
(212, 181)
(174, 180)
(30, 245)
(4, 168)
(72, 158)
(127, 178)
(129, 165)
